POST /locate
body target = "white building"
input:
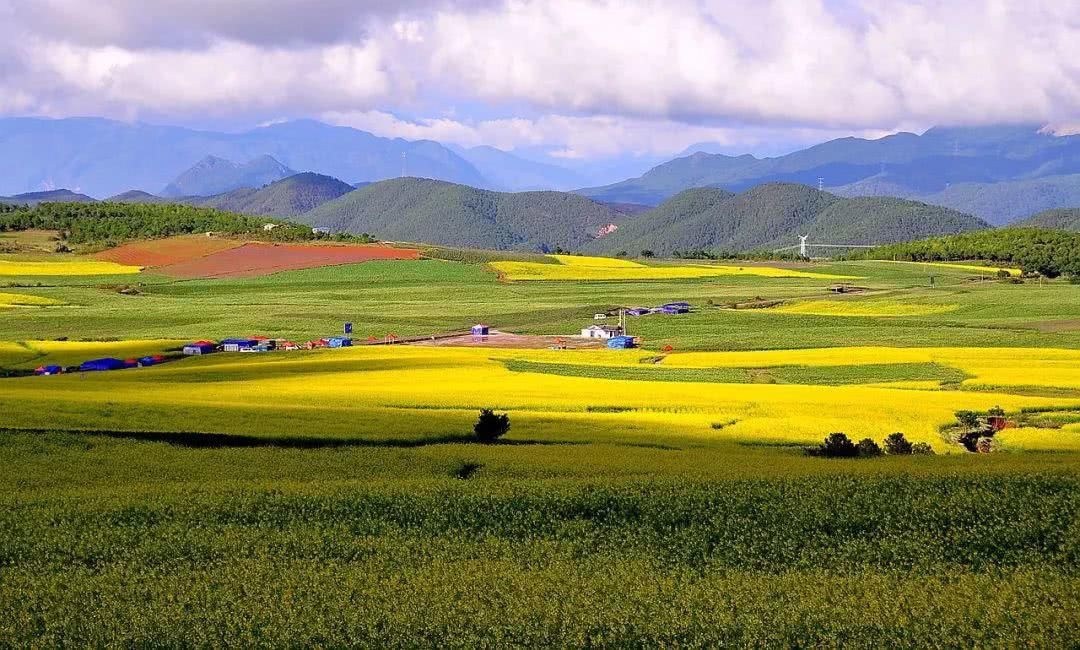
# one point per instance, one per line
(601, 332)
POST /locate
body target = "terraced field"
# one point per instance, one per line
(654, 496)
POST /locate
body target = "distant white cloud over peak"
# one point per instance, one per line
(604, 76)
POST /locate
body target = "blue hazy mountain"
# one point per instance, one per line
(102, 157)
(904, 164)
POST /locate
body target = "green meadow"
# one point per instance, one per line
(312, 500)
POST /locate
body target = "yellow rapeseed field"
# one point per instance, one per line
(372, 389)
(862, 308)
(68, 267)
(23, 300)
(1030, 439)
(573, 267)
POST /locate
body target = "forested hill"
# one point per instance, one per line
(1060, 219)
(34, 198)
(424, 210)
(84, 223)
(1035, 250)
(772, 216)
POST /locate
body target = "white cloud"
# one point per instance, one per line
(577, 137)
(607, 76)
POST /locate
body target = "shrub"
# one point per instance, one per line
(867, 448)
(838, 445)
(897, 445)
(648, 253)
(997, 412)
(984, 445)
(922, 449)
(491, 426)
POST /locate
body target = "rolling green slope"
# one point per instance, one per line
(424, 210)
(772, 215)
(288, 197)
(1060, 219)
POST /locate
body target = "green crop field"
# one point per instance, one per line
(660, 496)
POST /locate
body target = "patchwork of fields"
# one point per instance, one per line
(654, 496)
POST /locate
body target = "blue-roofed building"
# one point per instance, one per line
(480, 329)
(198, 348)
(621, 342)
(338, 342)
(236, 345)
(96, 365)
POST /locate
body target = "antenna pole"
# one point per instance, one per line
(404, 168)
(820, 184)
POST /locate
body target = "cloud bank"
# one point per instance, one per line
(586, 77)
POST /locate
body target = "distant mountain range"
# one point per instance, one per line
(102, 157)
(998, 173)
(772, 216)
(51, 196)
(431, 211)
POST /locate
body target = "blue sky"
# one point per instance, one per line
(576, 80)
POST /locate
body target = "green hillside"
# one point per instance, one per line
(773, 215)
(1060, 219)
(436, 212)
(288, 197)
(1035, 250)
(51, 196)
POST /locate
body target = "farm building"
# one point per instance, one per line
(199, 348)
(599, 316)
(48, 370)
(480, 330)
(320, 231)
(601, 332)
(237, 345)
(95, 365)
(672, 309)
(620, 342)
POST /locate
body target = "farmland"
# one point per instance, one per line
(653, 496)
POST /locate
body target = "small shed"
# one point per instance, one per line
(480, 329)
(338, 342)
(673, 309)
(599, 316)
(621, 342)
(601, 332)
(96, 365)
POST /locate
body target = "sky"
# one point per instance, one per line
(579, 80)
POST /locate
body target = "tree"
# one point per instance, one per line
(838, 445)
(997, 412)
(491, 426)
(967, 419)
(647, 253)
(867, 448)
(922, 449)
(897, 445)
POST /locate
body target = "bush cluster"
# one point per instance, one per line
(838, 445)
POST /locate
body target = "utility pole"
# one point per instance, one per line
(820, 184)
(404, 163)
(802, 245)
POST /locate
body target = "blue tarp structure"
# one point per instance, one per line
(480, 330)
(49, 370)
(338, 342)
(101, 364)
(637, 311)
(620, 342)
(147, 361)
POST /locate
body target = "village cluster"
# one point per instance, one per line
(615, 337)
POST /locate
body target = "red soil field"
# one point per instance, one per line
(256, 259)
(162, 252)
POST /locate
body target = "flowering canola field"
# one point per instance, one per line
(78, 266)
(23, 300)
(864, 308)
(380, 390)
(574, 267)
